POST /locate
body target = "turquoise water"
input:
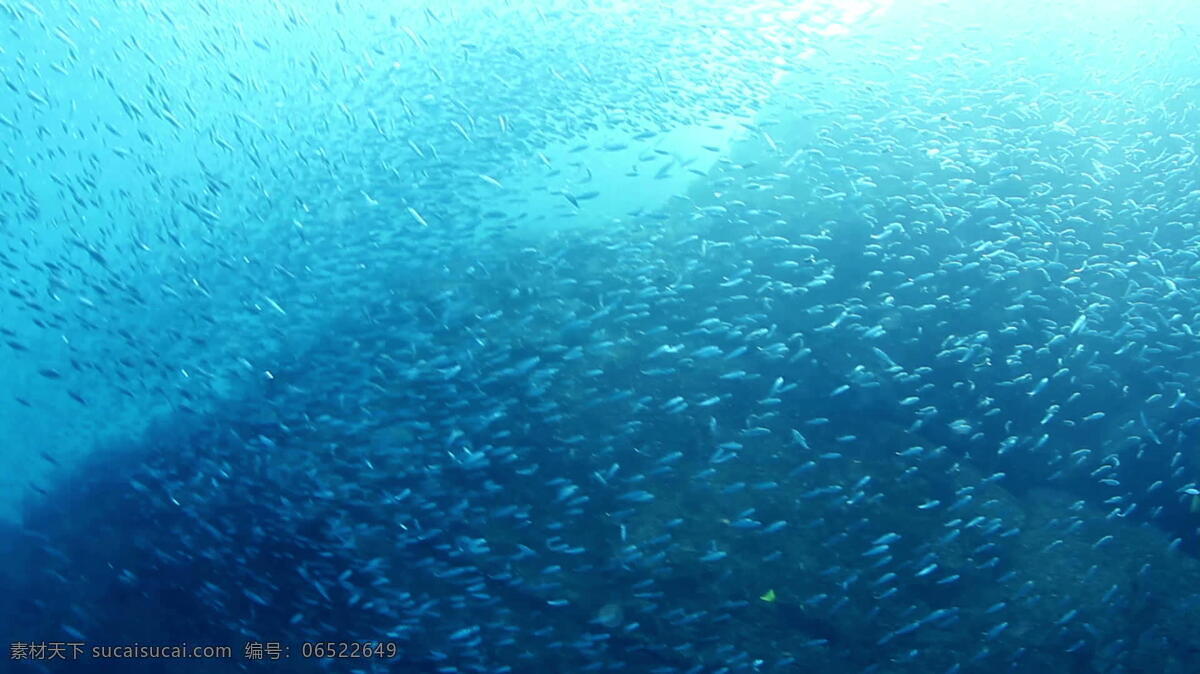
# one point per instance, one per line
(600, 336)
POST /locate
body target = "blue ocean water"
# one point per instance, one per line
(599, 336)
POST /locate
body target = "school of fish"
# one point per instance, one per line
(433, 328)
